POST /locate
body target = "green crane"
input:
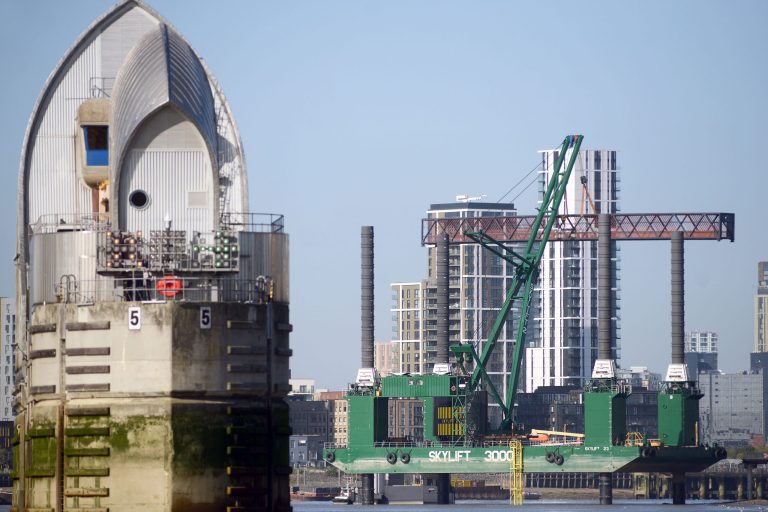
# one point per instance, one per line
(526, 270)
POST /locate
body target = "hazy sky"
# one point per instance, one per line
(364, 112)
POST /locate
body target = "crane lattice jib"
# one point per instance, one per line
(526, 265)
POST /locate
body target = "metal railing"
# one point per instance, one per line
(101, 86)
(56, 222)
(163, 289)
(254, 222)
(457, 444)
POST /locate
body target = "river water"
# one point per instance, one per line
(538, 506)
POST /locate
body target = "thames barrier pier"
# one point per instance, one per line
(153, 307)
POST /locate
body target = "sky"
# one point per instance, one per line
(360, 113)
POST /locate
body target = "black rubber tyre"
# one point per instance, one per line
(559, 459)
(550, 457)
(405, 458)
(391, 458)
(330, 457)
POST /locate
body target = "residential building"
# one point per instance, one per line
(478, 282)
(639, 377)
(406, 419)
(551, 408)
(733, 408)
(761, 308)
(564, 314)
(7, 358)
(643, 412)
(301, 389)
(700, 341)
(408, 351)
(337, 405)
(386, 357)
(306, 450)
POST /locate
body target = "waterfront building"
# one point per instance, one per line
(306, 450)
(311, 417)
(733, 409)
(320, 413)
(564, 314)
(7, 357)
(339, 417)
(152, 306)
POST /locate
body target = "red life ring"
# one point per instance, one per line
(169, 286)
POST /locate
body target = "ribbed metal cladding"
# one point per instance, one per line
(366, 296)
(441, 272)
(604, 295)
(161, 69)
(678, 298)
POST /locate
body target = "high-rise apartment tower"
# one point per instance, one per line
(564, 314)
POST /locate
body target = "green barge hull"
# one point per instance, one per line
(495, 459)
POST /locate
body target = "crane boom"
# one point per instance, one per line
(526, 268)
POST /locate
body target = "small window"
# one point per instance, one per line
(96, 145)
(138, 199)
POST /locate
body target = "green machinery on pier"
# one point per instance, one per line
(456, 439)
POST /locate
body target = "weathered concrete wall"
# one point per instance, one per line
(175, 418)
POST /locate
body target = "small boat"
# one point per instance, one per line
(345, 496)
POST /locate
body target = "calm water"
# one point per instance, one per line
(540, 506)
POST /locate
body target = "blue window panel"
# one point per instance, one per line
(96, 145)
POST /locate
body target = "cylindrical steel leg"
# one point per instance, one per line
(678, 489)
(678, 298)
(366, 296)
(443, 489)
(441, 272)
(366, 490)
(604, 295)
(366, 334)
(605, 486)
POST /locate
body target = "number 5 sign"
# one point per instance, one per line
(205, 318)
(134, 319)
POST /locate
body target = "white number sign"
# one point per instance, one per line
(134, 319)
(205, 318)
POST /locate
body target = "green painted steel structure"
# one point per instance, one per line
(679, 413)
(454, 440)
(526, 265)
(445, 458)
